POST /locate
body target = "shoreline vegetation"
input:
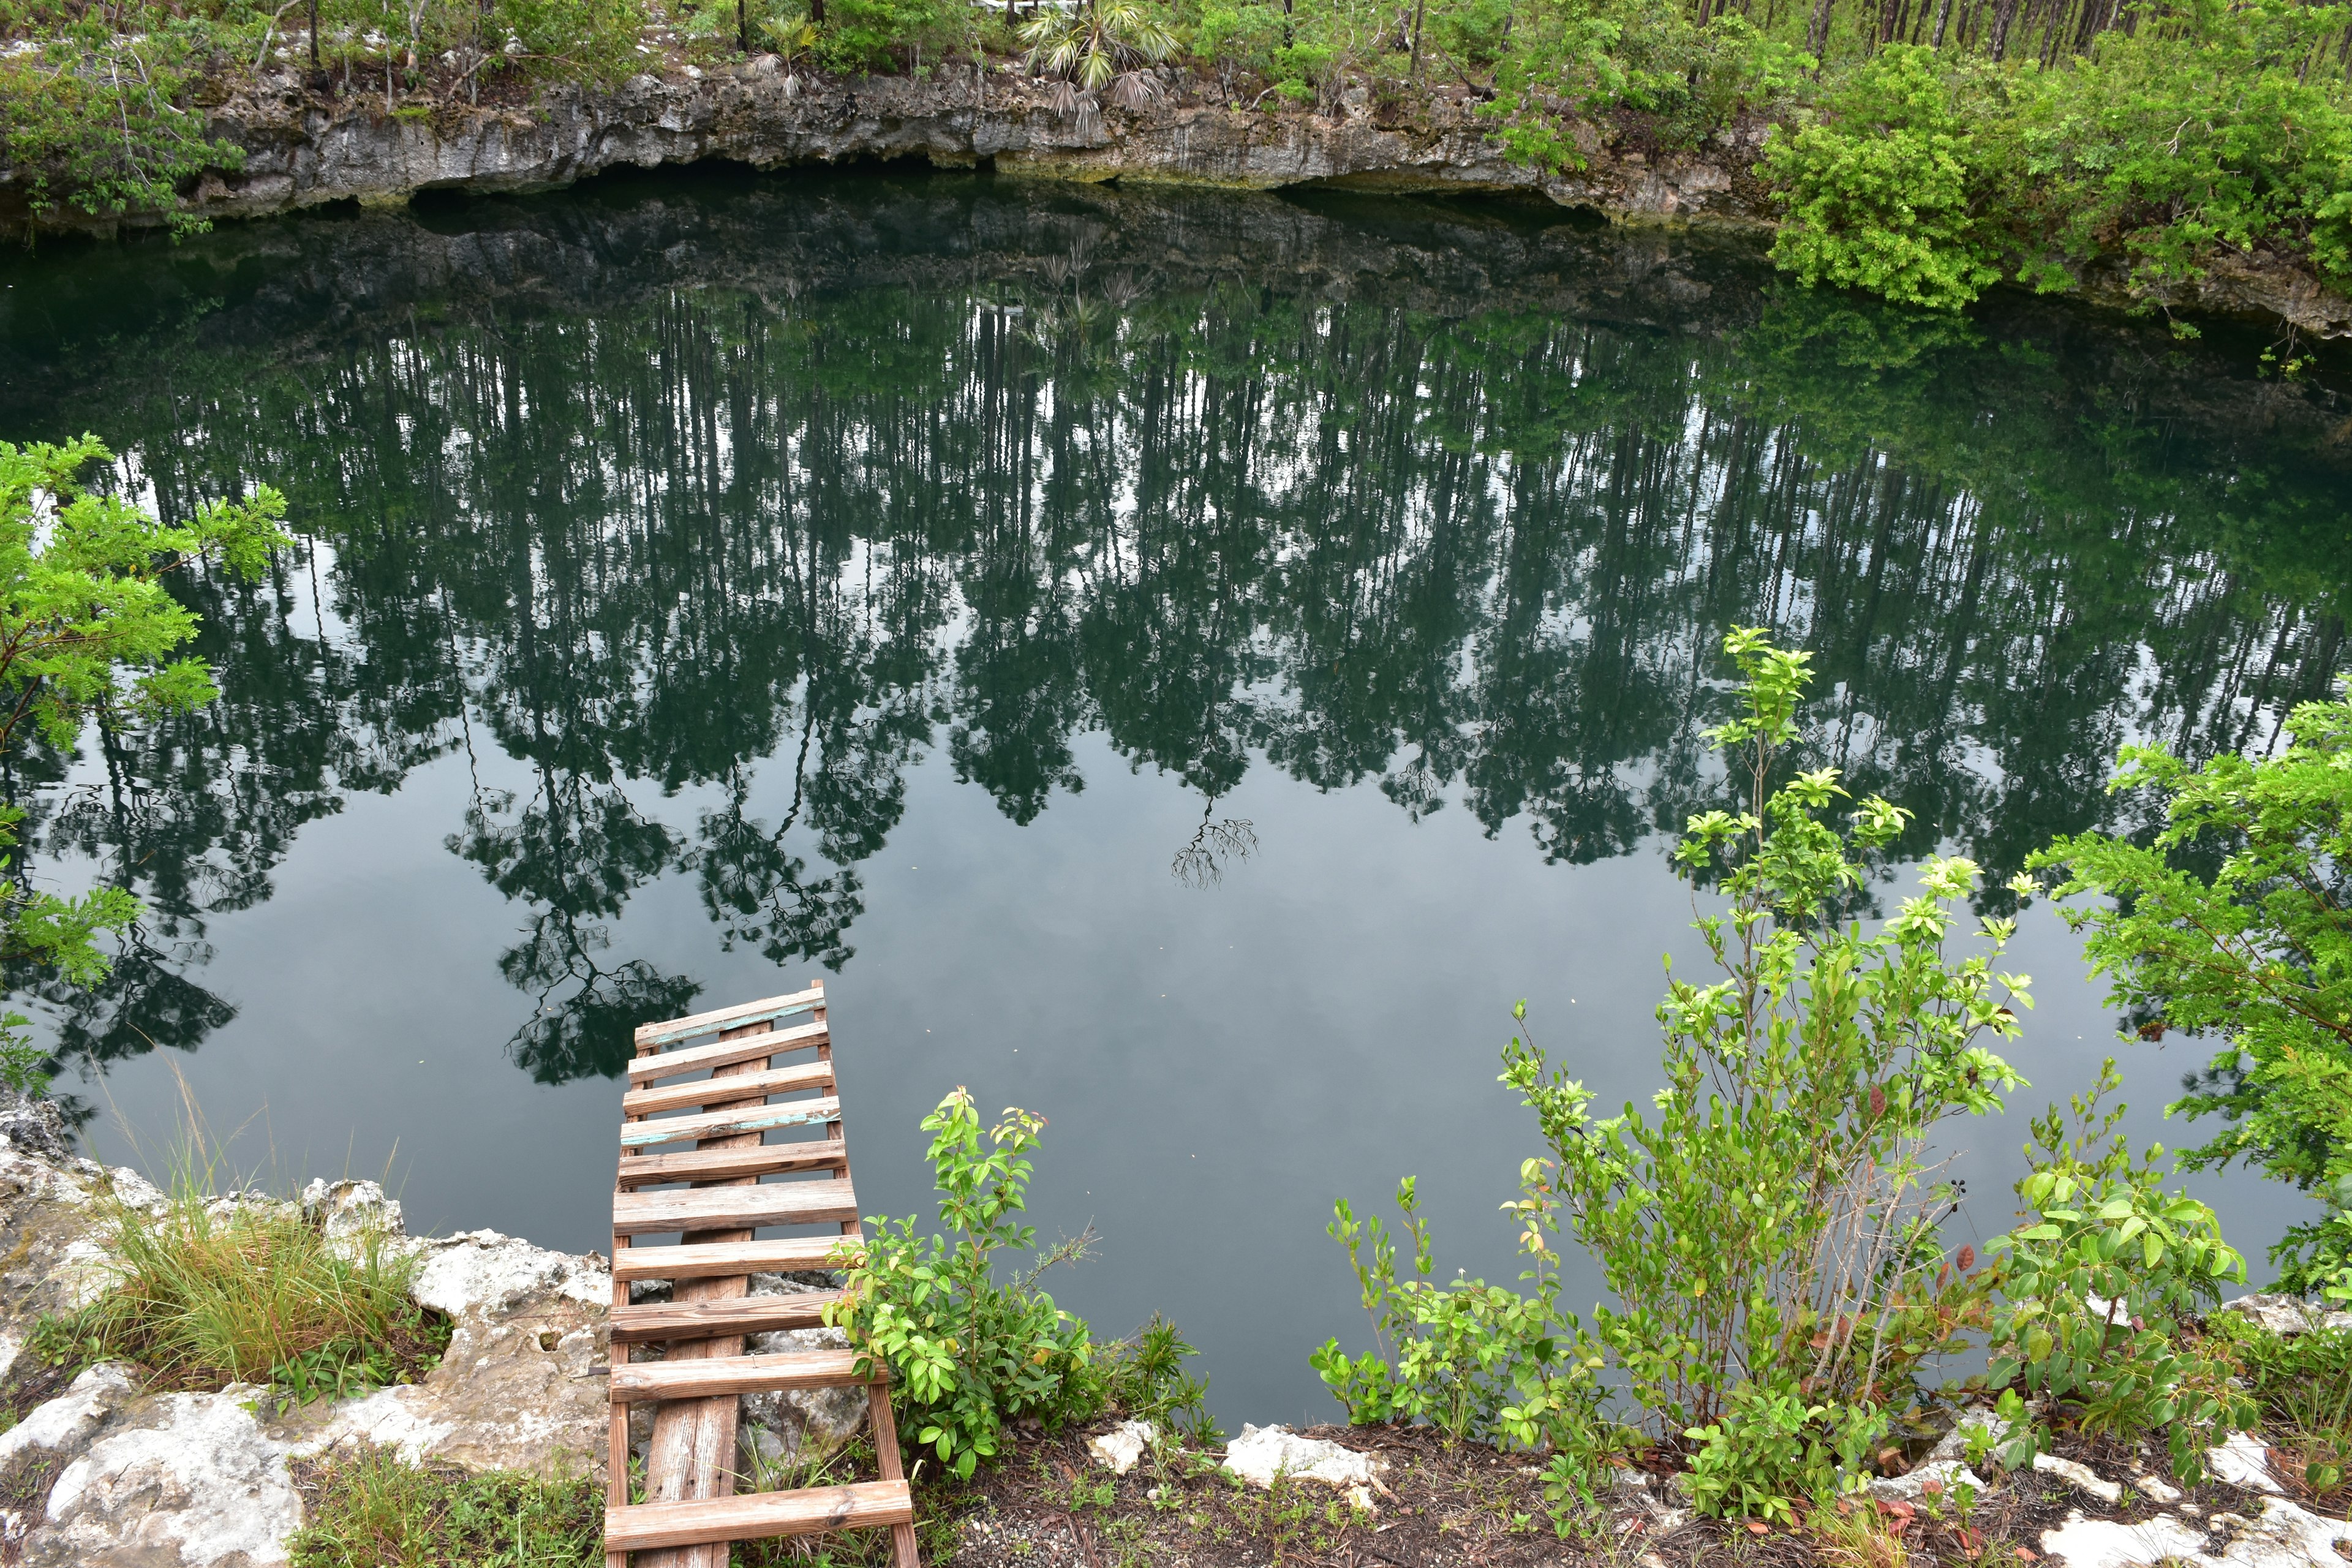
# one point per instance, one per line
(1923, 151)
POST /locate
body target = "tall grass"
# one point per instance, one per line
(209, 1292)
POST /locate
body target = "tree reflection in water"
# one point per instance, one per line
(833, 508)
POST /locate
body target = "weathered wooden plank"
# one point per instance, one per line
(722, 1123)
(727, 1053)
(691, 1455)
(766, 1010)
(713, 1377)
(726, 1087)
(711, 1165)
(655, 1321)
(710, 1261)
(807, 1511)
(733, 1208)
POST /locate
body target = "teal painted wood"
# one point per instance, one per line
(764, 1014)
(750, 1048)
(719, 1124)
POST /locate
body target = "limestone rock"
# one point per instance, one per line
(1943, 1475)
(483, 1272)
(35, 1127)
(516, 1390)
(2286, 1536)
(1120, 1450)
(1262, 1453)
(1954, 1443)
(188, 1479)
(2287, 1315)
(2243, 1461)
(352, 1208)
(68, 1421)
(2082, 1477)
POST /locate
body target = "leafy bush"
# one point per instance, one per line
(2101, 1282)
(2235, 919)
(102, 122)
(966, 1352)
(869, 35)
(1777, 1224)
(1770, 1447)
(207, 1295)
(1477, 1361)
(1883, 193)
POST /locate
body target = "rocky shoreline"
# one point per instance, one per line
(97, 1471)
(305, 149)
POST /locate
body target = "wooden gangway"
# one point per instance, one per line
(715, 1198)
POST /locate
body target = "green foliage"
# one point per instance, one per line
(1770, 1447)
(871, 34)
(87, 628)
(1882, 194)
(369, 1510)
(204, 1297)
(2100, 1281)
(103, 121)
(1776, 1224)
(1477, 1361)
(966, 1352)
(1098, 51)
(2235, 919)
(2304, 1385)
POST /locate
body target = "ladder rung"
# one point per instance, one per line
(736, 1017)
(727, 1053)
(711, 1377)
(716, 1090)
(713, 1260)
(733, 1208)
(651, 1525)
(716, 1164)
(715, 1319)
(721, 1123)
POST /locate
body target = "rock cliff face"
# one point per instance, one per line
(304, 151)
(301, 150)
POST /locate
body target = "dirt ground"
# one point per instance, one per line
(1050, 1505)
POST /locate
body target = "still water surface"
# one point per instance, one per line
(1182, 664)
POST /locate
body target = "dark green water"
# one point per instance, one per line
(941, 583)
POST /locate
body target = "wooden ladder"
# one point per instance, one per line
(690, 1515)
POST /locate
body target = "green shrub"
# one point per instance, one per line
(88, 625)
(1777, 1223)
(1884, 192)
(104, 123)
(1770, 1447)
(2235, 919)
(1477, 1361)
(871, 34)
(967, 1352)
(2100, 1284)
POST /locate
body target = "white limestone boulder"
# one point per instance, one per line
(1122, 1447)
(1263, 1454)
(521, 1386)
(189, 1480)
(2287, 1315)
(2286, 1536)
(1933, 1478)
